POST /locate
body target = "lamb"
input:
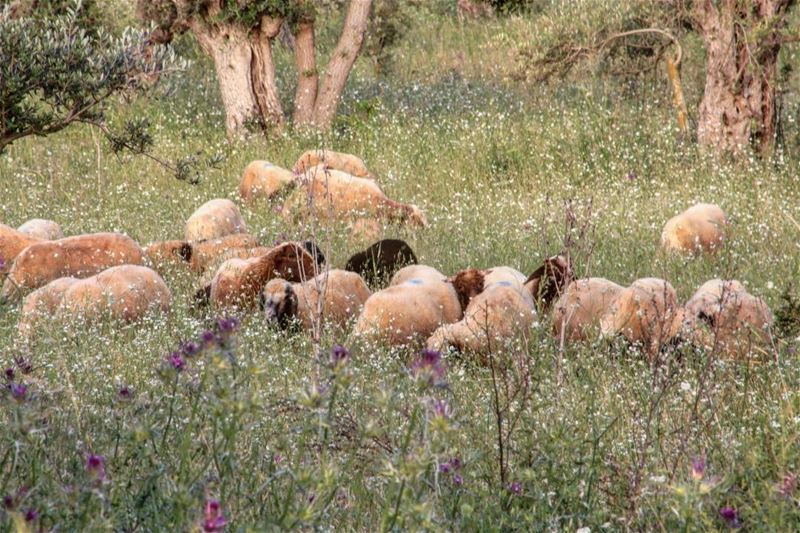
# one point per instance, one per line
(381, 260)
(214, 219)
(333, 160)
(332, 194)
(722, 316)
(12, 242)
(47, 230)
(343, 294)
(701, 228)
(238, 282)
(645, 313)
(262, 179)
(410, 309)
(199, 255)
(79, 256)
(124, 292)
(500, 307)
(580, 308)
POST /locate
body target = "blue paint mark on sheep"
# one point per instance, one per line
(415, 281)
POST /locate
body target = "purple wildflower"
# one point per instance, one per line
(698, 468)
(731, 517)
(23, 364)
(444, 468)
(19, 391)
(788, 485)
(430, 368)
(631, 176)
(227, 325)
(214, 521)
(515, 487)
(208, 337)
(339, 354)
(455, 463)
(8, 502)
(190, 348)
(125, 393)
(176, 361)
(31, 514)
(96, 467)
(458, 480)
(441, 409)
(9, 373)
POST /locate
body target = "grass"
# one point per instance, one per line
(593, 437)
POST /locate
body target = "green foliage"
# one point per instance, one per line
(54, 73)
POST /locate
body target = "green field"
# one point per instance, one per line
(594, 436)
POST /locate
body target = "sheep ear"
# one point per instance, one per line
(312, 248)
(185, 252)
(468, 284)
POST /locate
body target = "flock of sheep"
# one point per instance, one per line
(109, 274)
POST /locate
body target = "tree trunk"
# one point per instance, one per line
(341, 62)
(231, 51)
(738, 105)
(265, 86)
(307, 78)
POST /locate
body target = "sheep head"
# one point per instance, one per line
(548, 281)
(278, 301)
(468, 284)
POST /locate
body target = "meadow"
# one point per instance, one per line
(108, 435)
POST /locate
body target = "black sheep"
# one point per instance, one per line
(381, 260)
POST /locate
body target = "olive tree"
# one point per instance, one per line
(238, 35)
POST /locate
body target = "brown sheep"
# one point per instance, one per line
(262, 179)
(125, 293)
(332, 194)
(238, 282)
(42, 304)
(701, 228)
(214, 219)
(80, 256)
(12, 242)
(410, 311)
(47, 230)
(645, 313)
(580, 308)
(723, 316)
(343, 295)
(333, 160)
(502, 309)
(199, 256)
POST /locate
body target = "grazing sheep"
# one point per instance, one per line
(125, 293)
(332, 194)
(501, 307)
(79, 256)
(199, 255)
(214, 219)
(12, 242)
(238, 282)
(42, 304)
(262, 179)
(580, 308)
(343, 294)
(722, 316)
(333, 160)
(645, 313)
(40, 228)
(410, 310)
(701, 228)
(549, 281)
(381, 260)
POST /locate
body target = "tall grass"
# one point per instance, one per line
(283, 437)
